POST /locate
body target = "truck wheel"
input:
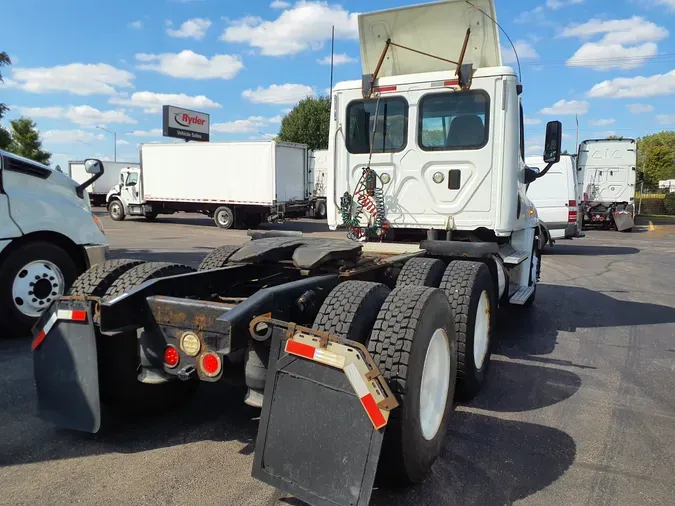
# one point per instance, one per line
(31, 277)
(471, 292)
(350, 310)
(116, 210)
(219, 257)
(224, 217)
(97, 280)
(119, 359)
(414, 346)
(421, 272)
(150, 216)
(320, 211)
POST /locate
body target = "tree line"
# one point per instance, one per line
(22, 138)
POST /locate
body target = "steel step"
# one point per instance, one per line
(520, 297)
(516, 258)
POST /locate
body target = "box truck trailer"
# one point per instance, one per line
(100, 189)
(238, 184)
(609, 171)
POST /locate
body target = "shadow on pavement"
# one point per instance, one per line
(524, 332)
(488, 460)
(588, 250)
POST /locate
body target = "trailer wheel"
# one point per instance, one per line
(224, 217)
(350, 310)
(320, 211)
(97, 280)
(471, 292)
(219, 257)
(414, 346)
(119, 359)
(116, 210)
(421, 272)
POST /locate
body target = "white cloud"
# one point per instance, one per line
(188, 64)
(67, 136)
(605, 134)
(564, 107)
(524, 49)
(252, 124)
(534, 15)
(601, 122)
(284, 94)
(80, 114)
(532, 121)
(666, 119)
(279, 4)
(626, 43)
(670, 4)
(276, 119)
(192, 29)
(122, 142)
(155, 132)
(152, 102)
(534, 150)
(305, 26)
(137, 25)
(635, 87)
(640, 108)
(338, 59)
(75, 78)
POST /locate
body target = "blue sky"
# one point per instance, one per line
(79, 64)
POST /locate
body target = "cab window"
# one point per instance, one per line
(454, 120)
(392, 125)
(132, 179)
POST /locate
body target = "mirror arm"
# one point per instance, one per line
(543, 172)
(80, 188)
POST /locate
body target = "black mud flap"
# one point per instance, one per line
(315, 440)
(623, 221)
(66, 368)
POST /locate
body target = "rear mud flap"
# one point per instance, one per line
(623, 221)
(315, 440)
(66, 367)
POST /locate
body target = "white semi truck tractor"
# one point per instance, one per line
(355, 349)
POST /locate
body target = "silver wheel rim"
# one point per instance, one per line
(115, 210)
(481, 330)
(435, 384)
(224, 219)
(35, 286)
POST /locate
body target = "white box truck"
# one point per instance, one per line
(609, 171)
(99, 190)
(555, 197)
(318, 166)
(238, 184)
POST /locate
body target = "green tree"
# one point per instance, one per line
(5, 138)
(308, 123)
(615, 137)
(655, 153)
(26, 141)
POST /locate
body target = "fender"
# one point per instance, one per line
(544, 235)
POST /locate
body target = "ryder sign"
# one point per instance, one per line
(185, 124)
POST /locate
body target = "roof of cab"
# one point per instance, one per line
(22, 159)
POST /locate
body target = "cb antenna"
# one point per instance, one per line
(520, 74)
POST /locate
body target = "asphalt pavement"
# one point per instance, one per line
(579, 408)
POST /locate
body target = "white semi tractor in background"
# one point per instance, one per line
(100, 188)
(238, 184)
(608, 168)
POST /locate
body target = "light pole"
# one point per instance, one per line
(114, 141)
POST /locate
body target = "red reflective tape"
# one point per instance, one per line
(300, 349)
(79, 316)
(373, 411)
(385, 89)
(453, 82)
(38, 340)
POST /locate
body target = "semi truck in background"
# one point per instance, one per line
(318, 166)
(48, 237)
(238, 184)
(609, 171)
(555, 197)
(102, 186)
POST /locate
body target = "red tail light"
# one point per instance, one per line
(211, 364)
(572, 217)
(572, 203)
(171, 356)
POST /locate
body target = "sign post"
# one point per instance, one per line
(185, 124)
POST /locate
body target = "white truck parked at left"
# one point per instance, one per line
(48, 237)
(238, 184)
(100, 188)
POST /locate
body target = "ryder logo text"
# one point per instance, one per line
(186, 120)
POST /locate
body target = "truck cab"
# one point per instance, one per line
(126, 193)
(48, 237)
